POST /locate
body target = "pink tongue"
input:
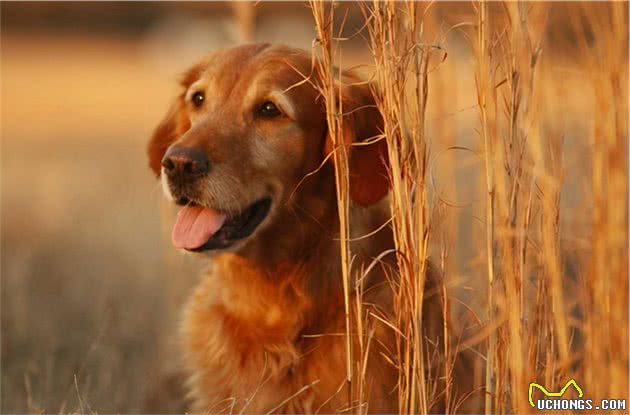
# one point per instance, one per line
(195, 225)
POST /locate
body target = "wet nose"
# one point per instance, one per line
(185, 162)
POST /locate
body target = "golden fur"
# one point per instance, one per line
(265, 323)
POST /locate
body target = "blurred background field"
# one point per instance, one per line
(90, 285)
(90, 288)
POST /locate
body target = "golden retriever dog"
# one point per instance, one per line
(243, 151)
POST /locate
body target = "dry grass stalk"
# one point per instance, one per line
(519, 57)
(484, 90)
(331, 92)
(401, 63)
(506, 63)
(245, 19)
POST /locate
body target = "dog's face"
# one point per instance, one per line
(246, 129)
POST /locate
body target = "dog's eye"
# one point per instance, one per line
(198, 98)
(269, 109)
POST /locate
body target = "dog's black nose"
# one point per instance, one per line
(185, 162)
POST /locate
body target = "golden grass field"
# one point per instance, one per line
(508, 135)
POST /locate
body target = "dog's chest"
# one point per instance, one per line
(243, 344)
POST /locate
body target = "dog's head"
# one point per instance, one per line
(243, 134)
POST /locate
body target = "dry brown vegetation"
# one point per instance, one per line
(555, 303)
(507, 126)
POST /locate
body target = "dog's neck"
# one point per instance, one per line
(296, 256)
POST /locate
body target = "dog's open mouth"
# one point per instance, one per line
(199, 228)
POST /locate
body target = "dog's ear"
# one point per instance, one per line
(362, 122)
(174, 124)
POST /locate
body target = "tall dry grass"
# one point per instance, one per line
(401, 64)
(398, 52)
(547, 301)
(334, 104)
(556, 302)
